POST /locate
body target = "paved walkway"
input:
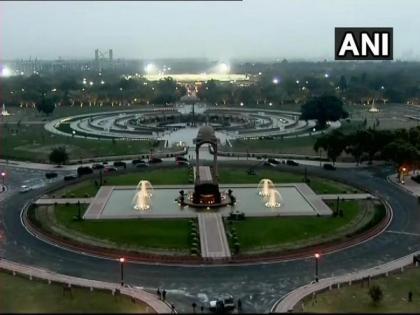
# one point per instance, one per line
(289, 301)
(409, 185)
(96, 207)
(214, 244)
(346, 196)
(139, 294)
(62, 201)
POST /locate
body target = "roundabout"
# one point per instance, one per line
(247, 282)
(176, 124)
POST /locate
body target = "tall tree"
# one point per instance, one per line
(322, 109)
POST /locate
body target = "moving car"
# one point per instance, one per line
(120, 164)
(142, 164)
(138, 161)
(25, 188)
(222, 304)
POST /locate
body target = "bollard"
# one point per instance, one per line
(417, 263)
(14, 273)
(49, 281)
(338, 285)
(30, 277)
(350, 283)
(402, 269)
(386, 274)
(91, 289)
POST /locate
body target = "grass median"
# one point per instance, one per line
(21, 295)
(356, 299)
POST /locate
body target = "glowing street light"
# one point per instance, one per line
(275, 81)
(122, 260)
(241, 103)
(3, 176)
(6, 72)
(317, 255)
(297, 81)
(150, 68)
(223, 68)
(326, 75)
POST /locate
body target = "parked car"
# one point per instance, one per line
(97, 166)
(137, 161)
(50, 175)
(110, 169)
(273, 161)
(84, 170)
(181, 158)
(292, 163)
(222, 304)
(69, 177)
(120, 164)
(155, 160)
(182, 163)
(329, 167)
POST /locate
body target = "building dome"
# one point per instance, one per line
(206, 134)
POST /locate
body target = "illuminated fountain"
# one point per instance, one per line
(264, 187)
(142, 198)
(274, 199)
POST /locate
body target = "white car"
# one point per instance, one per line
(25, 188)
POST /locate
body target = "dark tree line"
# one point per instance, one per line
(400, 146)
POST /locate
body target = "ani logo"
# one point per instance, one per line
(359, 43)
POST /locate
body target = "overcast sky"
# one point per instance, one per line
(251, 29)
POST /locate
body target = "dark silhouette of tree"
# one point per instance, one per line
(323, 109)
(45, 105)
(332, 143)
(59, 155)
(375, 293)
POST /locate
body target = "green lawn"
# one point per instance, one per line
(290, 232)
(355, 299)
(228, 175)
(20, 295)
(161, 234)
(34, 143)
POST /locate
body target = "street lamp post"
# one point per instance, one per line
(3, 176)
(316, 267)
(122, 260)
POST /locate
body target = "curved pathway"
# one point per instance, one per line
(258, 286)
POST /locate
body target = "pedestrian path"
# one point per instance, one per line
(214, 244)
(62, 201)
(346, 196)
(136, 293)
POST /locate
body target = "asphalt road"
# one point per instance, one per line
(258, 286)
